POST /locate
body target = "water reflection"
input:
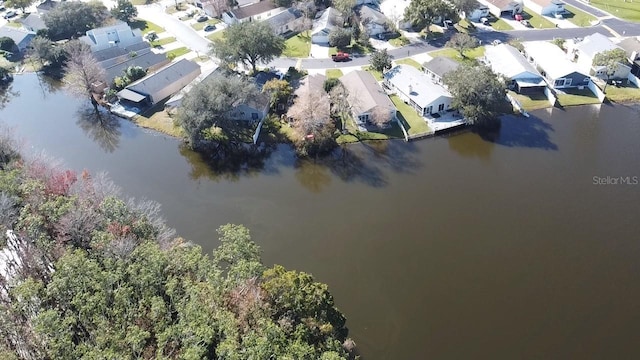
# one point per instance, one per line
(312, 175)
(7, 94)
(102, 127)
(471, 145)
(228, 163)
(516, 131)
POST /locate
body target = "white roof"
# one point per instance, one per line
(506, 60)
(551, 59)
(326, 21)
(594, 44)
(415, 84)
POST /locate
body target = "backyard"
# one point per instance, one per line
(578, 17)
(531, 101)
(575, 97)
(413, 123)
(623, 93)
(628, 10)
(298, 46)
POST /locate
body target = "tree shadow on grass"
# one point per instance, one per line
(102, 127)
(516, 131)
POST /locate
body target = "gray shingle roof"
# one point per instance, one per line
(34, 22)
(630, 45)
(372, 15)
(115, 67)
(364, 92)
(441, 65)
(506, 60)
(253, 9)
(284, 17)
(157, 81)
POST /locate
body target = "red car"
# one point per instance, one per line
(340, 56)
(518, 17)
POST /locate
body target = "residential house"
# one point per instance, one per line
(215, 8)
(287, 21)
(46, 6)
(254, 12)
(416, 89)
(547, 7)
(310, 83)
(161, 84)
(116, 62)
(175, 101)
(33, 22)
(481, 11)
(501, 8)
(512, 66)
(366, 97)
(553, 65)
(21, 37)
(325, 21)
(373, 20)
(437, 67)
(583, 53)
(631, 46)
(262, 77)
(118, 35)
(253, 110)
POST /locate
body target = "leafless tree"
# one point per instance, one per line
(380, 116)
(311, 112)
(218, 6)
(82, 71)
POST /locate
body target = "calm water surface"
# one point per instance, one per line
(452, 248)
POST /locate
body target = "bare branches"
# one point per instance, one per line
(82, 71)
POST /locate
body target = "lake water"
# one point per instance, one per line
(462, 247)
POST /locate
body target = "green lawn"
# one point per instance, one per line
(200, 25)
(577, 97)
(578, 17)
(470, 55)
(298, 46)
(412, 122)
(141, 2)
(628, 10)
(333, 73)
(399, 41)
(500, 24)
(465, 26)
(411, 62)
(146, 26)
(376, 74)
(14, 24)
(532, 102)
(353, 48)
(216, 35)
(178, 52)
(626, 93)
(172, 9)
(537, 21)
(164, 41)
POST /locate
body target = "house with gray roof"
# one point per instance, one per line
(416, 89)
(512, 66)
(118, 35)
(373, 20)
(631, 46)
(367, 98)
(46, 6)
(149, 61)
(21, 37)
(161, 84)
(501, 8)
(310, 83)
(254, 12)
(437, 67)
(554, 66)
(33, 22)
(285, 22)
(584, 52)
(325, 21)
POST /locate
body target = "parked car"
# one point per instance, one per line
(484, 21)
(388, 35)
(209, 27)
(518, 17)
(340, 56)
(10, 14)
(202, 18)
(526, 23)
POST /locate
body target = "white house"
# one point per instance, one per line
(508, 62)
(415, 89)
(254, 12)
(481, 11)
(583, 53)
(120, 35)
(326, 21)
(437, 67)
(161, 84)
(373, 20)
(366, 97)
(253, 110)
(546, 7)
(553, 64)
(501, 8)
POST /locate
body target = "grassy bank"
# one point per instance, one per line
(574, 97)
(628, 10)
(412, 122)
(533, 101)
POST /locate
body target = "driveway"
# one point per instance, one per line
(319, 51)
(183, 32)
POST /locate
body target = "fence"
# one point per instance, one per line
(256, 135)
(551, 96)
(634, 80)
(596, 90)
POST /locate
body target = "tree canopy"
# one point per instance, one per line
(82, 70)
(421, 13)
(611, 60)
(249, 43)
(462, 42)
(477, 92)
(380, 60)
(19, 4)
(72, 18)
(124, 10)
(340, 37)
(103, 277)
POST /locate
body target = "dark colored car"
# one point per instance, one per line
(388, 35)
(10, 14)
(202, 18)
(209, 27)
